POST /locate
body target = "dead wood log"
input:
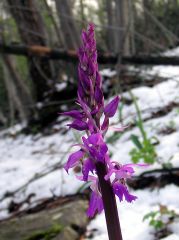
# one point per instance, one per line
(71, 55)
(155, 178)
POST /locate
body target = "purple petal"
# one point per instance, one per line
(124, 172)
(92, 68)
(95, 205)
(122, 191)
(105, 124)
(81, 92)
(98, 80)
(85, 81)
(98, 96)
(96, 146)
(94, 111)
(127, 170)
(87, 167)
(94, 57)
(95, 139)
(74, 159)
(91, 27)
(84, 36)
(74, 114)
(78, 125)
(103, 149)
(84, 60)
(108, 175)
(111, 107)
(85, 142)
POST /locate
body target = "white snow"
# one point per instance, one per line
(171, 237)
(172, 52)
(25, 157)
(60, 86)
(107, 72)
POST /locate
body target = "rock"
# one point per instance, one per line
(65, 222)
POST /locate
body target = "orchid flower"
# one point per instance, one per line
(108, 178)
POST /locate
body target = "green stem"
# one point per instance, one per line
(140, 122)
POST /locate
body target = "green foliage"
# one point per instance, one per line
(160, 218)
(10, 33)
(144, 150)
(167, 165)
(113, 138)
(46, 235)
(21, 63)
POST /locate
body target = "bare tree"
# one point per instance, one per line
(15, 98)
(32, 32)
(56, 27)
(67, 23)
(3, 118)
(123, 24)
(110, 21)
(82, 11)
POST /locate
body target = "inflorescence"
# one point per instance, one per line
(93, 118)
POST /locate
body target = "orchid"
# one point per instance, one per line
(108, 178)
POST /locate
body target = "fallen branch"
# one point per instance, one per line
(71, 55)
(155, 178)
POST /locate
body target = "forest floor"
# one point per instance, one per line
(31, 166)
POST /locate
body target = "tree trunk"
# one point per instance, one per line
(15, 99)
(122, 22)
(68, 25)
(110, 21)
(82, 11)
(132, 26)
(56, 27)
(3, 119)
(31, 29)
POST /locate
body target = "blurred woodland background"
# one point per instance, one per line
(39, 41)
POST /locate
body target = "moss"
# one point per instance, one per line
(47, 234)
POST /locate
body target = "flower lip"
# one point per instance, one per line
(122, 192)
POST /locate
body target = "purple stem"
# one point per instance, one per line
(109, 202)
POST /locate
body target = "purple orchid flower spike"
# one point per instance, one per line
(93, 118)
